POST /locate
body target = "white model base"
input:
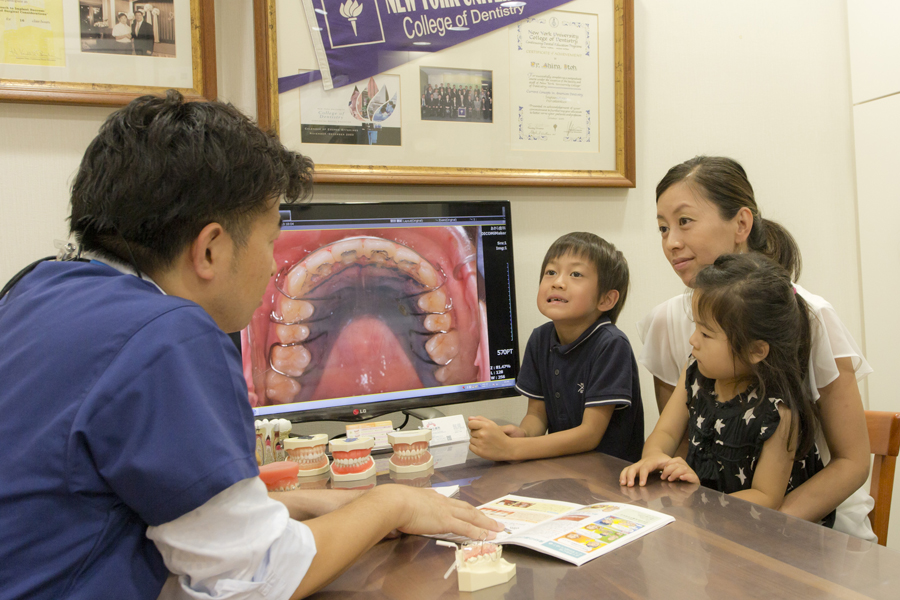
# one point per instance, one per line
(485, 575)
(411, 468)
(353, 476)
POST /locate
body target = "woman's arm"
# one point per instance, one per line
(844, 425)
(663, 442)
(773, 470)
(663, 392)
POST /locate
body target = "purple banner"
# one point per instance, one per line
(355, 39)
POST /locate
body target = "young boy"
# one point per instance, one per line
(578, 371)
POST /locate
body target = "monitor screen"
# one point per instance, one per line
(381, 307)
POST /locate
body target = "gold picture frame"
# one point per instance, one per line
(623, 175)
(193, 73)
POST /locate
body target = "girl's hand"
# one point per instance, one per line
(642, 468)
(678, 470)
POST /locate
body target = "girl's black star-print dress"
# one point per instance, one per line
(725, 439)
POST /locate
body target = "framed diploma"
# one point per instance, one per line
(105, 52)
(471, 92)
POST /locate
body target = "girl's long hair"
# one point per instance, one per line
(752, 299)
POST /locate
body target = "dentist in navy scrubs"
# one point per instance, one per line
(127, 457)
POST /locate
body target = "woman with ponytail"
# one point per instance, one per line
(706, 208)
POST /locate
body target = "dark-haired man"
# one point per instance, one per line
(142, 34)
(126, 446)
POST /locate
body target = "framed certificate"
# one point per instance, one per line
(545, 99)
(105, 52)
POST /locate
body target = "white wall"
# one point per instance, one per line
(875, 68)
(764, 81)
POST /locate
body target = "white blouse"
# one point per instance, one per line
(665, 332)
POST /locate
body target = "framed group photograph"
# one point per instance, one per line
(105, 52)
(487, 94)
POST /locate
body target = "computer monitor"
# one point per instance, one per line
(383, 307)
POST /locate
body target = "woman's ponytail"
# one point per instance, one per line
(771, 239)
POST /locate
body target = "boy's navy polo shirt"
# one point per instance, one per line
(595, 370)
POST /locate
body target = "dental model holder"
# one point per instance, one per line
(362, 447)
(308, 451)
(479, 565)
(403, 457)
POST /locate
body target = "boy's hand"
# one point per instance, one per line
(513, 431)
(678, 470)
(642, 468)
(488, 440)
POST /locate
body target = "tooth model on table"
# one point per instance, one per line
(308, 451)
(352, 458)
(479, 565)
(280, 476)
(410, 451)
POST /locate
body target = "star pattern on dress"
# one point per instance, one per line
(695, 387)
(700, 421)
(763, 429)
(720, 424)
(694, 442)
(803, 464)
(748, 416)
(752, 395)
(741, 476)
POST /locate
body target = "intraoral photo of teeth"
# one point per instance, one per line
(365, 311)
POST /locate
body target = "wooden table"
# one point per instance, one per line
(718, 547)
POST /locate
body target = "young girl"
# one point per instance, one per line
(749, 419)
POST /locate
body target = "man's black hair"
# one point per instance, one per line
(162, 169)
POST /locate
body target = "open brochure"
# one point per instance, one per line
(568, 531)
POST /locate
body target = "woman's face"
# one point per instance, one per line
(123, 19)
(693, 232)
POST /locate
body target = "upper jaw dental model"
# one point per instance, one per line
(479, 565)
(280, 476)
(352, 460)
(410, 451)
(308, 451)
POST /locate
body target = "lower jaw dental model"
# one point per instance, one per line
(280, 476)
(308, 451)
(410, 451)
(479, 565)
(352, 460)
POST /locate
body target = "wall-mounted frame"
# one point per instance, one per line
(471, 151)
(77, 51)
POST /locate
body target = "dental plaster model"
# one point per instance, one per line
(280, 476)
(308, 451)
(352, 458)
(410, 451)
(479, 565)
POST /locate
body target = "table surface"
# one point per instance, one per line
(718, 546)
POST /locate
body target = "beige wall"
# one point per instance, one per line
(875, 71)
(764, 81)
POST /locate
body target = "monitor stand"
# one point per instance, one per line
(423, 413)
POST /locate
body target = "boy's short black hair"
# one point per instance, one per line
(610, 264)
(162, 169)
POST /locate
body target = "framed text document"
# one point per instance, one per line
(472, 92)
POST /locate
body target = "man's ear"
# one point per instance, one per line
(608, 301)
(759, 350)
(210, 251)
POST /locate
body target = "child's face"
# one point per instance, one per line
(713, 351)
(568, 294)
